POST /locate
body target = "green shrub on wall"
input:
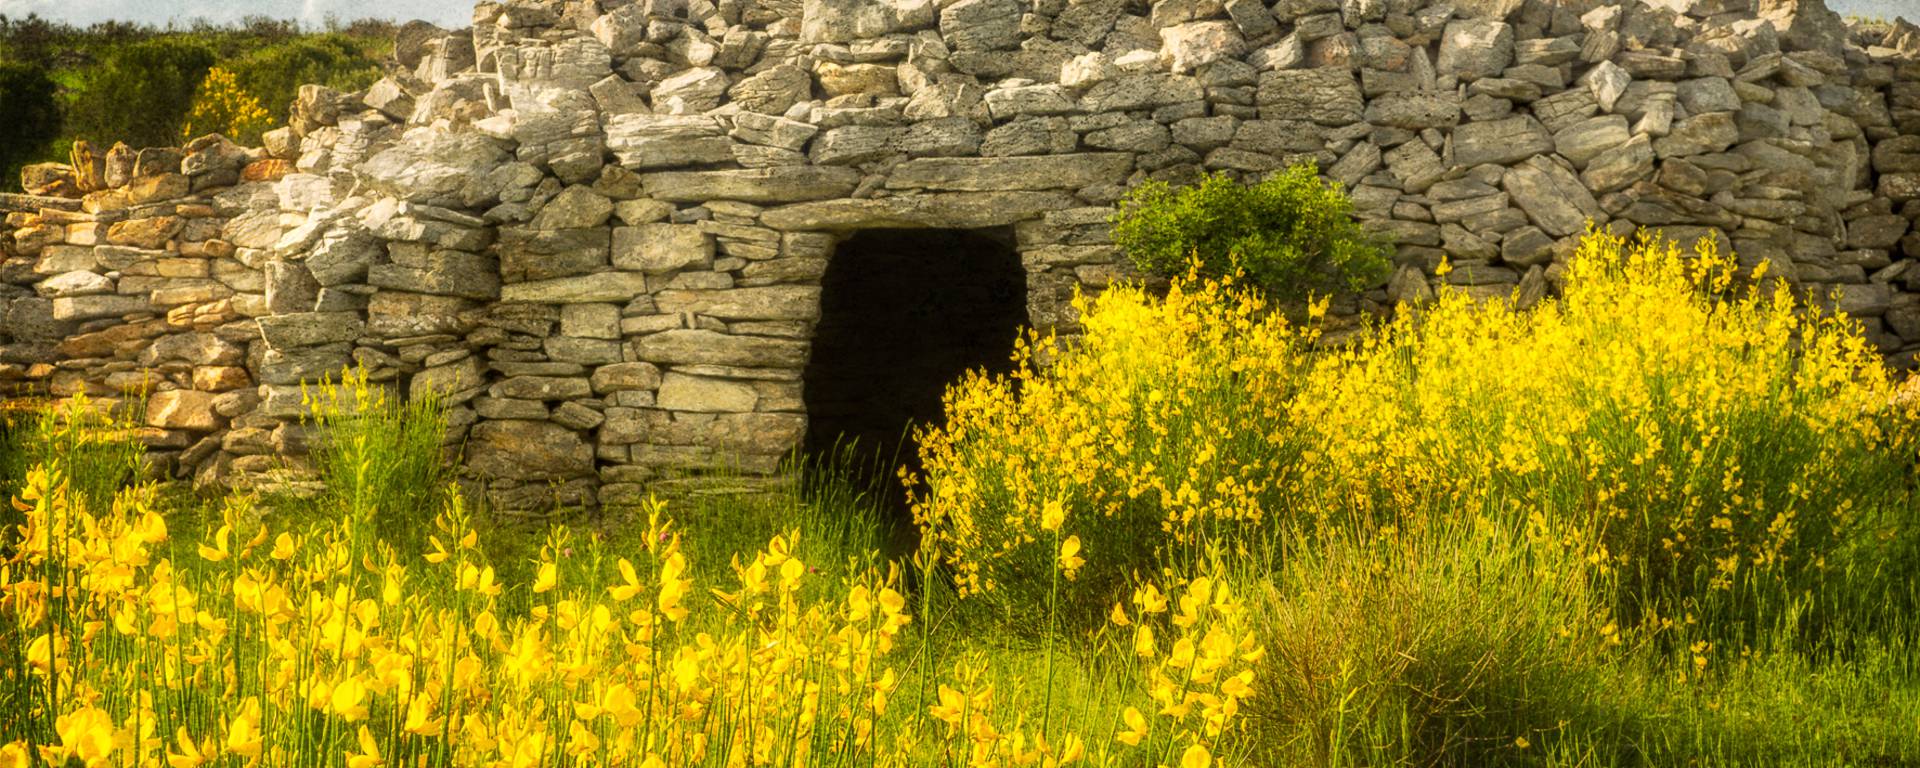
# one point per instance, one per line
(1291, 234)
(275, 73)
(28, 100)
(140, 94)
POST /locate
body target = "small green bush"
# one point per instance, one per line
(1291, 234)
(380, 455)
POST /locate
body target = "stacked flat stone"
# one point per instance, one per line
(597, 228)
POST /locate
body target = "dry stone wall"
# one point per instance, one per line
(598, 228)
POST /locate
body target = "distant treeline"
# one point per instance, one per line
(151, 86)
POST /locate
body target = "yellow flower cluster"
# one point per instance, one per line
(1166, 415)
(276, 645)
(258, 646)
(1672, 414)
(222, 106)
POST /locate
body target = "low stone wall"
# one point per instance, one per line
(598, 228)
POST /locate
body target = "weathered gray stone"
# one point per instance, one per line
(536, 254)
(183, 409)
(1581, 142)
(667, 141)
(657, 248)
(958, 210)
(1551, 195)
(309, 329)
(981, 25)
(680, 392)
(450, 381)
(527, 450)
(1025, 173)
(1147, 91)
(576, 207)
(1327, 96)
(1472, 49)
(1414, 111)
(75, 283)
(699, 347)
(1700, 134)
(437, 168)
(780, 302)
(98, 306)
(1616, 168)
(623, 377)
(1500, 141)
(761, 185)
(601, 287)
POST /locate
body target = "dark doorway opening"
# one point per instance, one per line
(903, 313)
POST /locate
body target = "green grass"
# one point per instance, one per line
(1453, 644)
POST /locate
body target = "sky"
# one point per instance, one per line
(455, 13)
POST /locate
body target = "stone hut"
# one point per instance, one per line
(631, 241)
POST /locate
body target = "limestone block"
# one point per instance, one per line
(771, 131)
(1327, 96)
(1472, 49)
(1551, 195)
(1026, 173)
(958, 210)
(308, 329)
(700, 394)
(623, 377)
(981, 25)
(303, 364)
(68, 284)
(1503, 141)
(1614, 169)
(1698, 135)
(98, 306)
(527, 450)
(876, 80)
(661, 248)
(576, 207)
(666, 141)
(1146, 91)
(438, 168)
(183, 409)
(1196, 44)
(702, 347)
(1414, 111)
(453, 380)
(441, 272)
(580, 289)
(1581, 142)
(691, 92)
(543, 388)
(780, 302)
(759, 186)
(1046, 99)
(1707, 94)
(535, 254)
(843, 21)
(852, 144)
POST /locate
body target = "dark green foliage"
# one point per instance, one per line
(120, 81)
(275, 73)
(140, 94)
(28, 99)
(1290, 235)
